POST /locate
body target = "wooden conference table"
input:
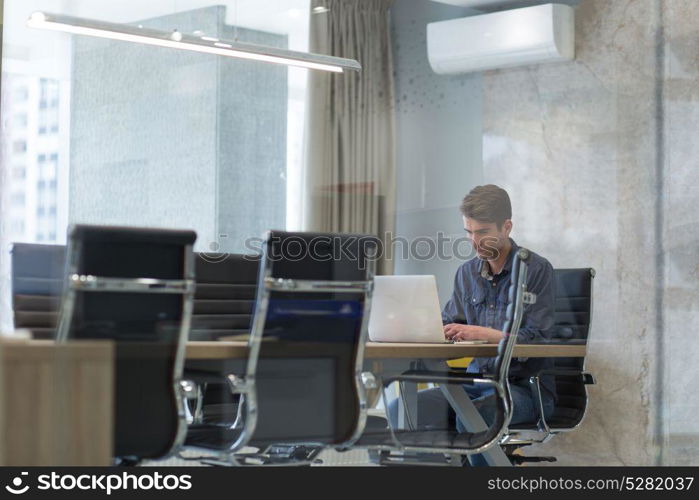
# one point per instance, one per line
(387, 358)
(79, 375)
(223, 350)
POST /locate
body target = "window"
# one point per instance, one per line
(48, 90)
(48, 171)
(20, 94)
(19, 147)
(17, 226)
(20, 120)
(197, 142)
(17, 200)
(48, 119)
(19, 173)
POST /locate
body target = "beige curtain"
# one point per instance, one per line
(349, 180)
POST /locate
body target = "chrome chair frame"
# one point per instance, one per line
(544, 431)
(245, 387)
(88, 283)
(499, 382)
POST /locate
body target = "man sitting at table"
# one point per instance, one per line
(476, 311)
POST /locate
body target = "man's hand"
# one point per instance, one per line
(455, 331)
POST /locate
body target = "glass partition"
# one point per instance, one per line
(99, 131)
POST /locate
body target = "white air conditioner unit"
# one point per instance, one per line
(529, 35)
(477, 4)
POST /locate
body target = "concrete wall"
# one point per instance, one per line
(599, 157)
(679, 247)
(438, 131)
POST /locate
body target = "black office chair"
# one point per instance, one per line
(573, 314)
(135, 287)
(224, 300)
(303, 387)
(444, 440)
(37, 283)
(224, 303)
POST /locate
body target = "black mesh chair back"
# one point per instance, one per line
(224, 303)
(573, 314)
(312, 311)
(224, 300)
(135, 287)
(38, 272)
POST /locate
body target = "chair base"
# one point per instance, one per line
(396, 459)
(127, 461)
(520, 459)
(275, 455)
(511, 449)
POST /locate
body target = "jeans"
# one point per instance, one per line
(434, 412)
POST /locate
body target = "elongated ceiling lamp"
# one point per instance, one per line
(177, 40)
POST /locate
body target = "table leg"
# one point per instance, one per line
(472, 420)
(407, 405)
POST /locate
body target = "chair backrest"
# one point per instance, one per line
(573, 306)
(135, 287)
(310, 329)
(38, 272)
(224, 300)
(573, 314)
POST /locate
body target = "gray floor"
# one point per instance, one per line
(329, 458)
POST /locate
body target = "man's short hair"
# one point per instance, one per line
(488, 203)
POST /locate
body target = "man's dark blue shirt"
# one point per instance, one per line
(480, 299)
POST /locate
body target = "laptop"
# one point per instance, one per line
(406, 309)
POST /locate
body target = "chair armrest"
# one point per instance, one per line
(205, 377)
(369, 380)
(451, 376)
(587, 377)
(236, 383)
(469, 442)
(535, 387)
(189, 389)
(191, 394)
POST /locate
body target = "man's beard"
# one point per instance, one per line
(488, 253)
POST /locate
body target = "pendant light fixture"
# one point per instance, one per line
(176, 40)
